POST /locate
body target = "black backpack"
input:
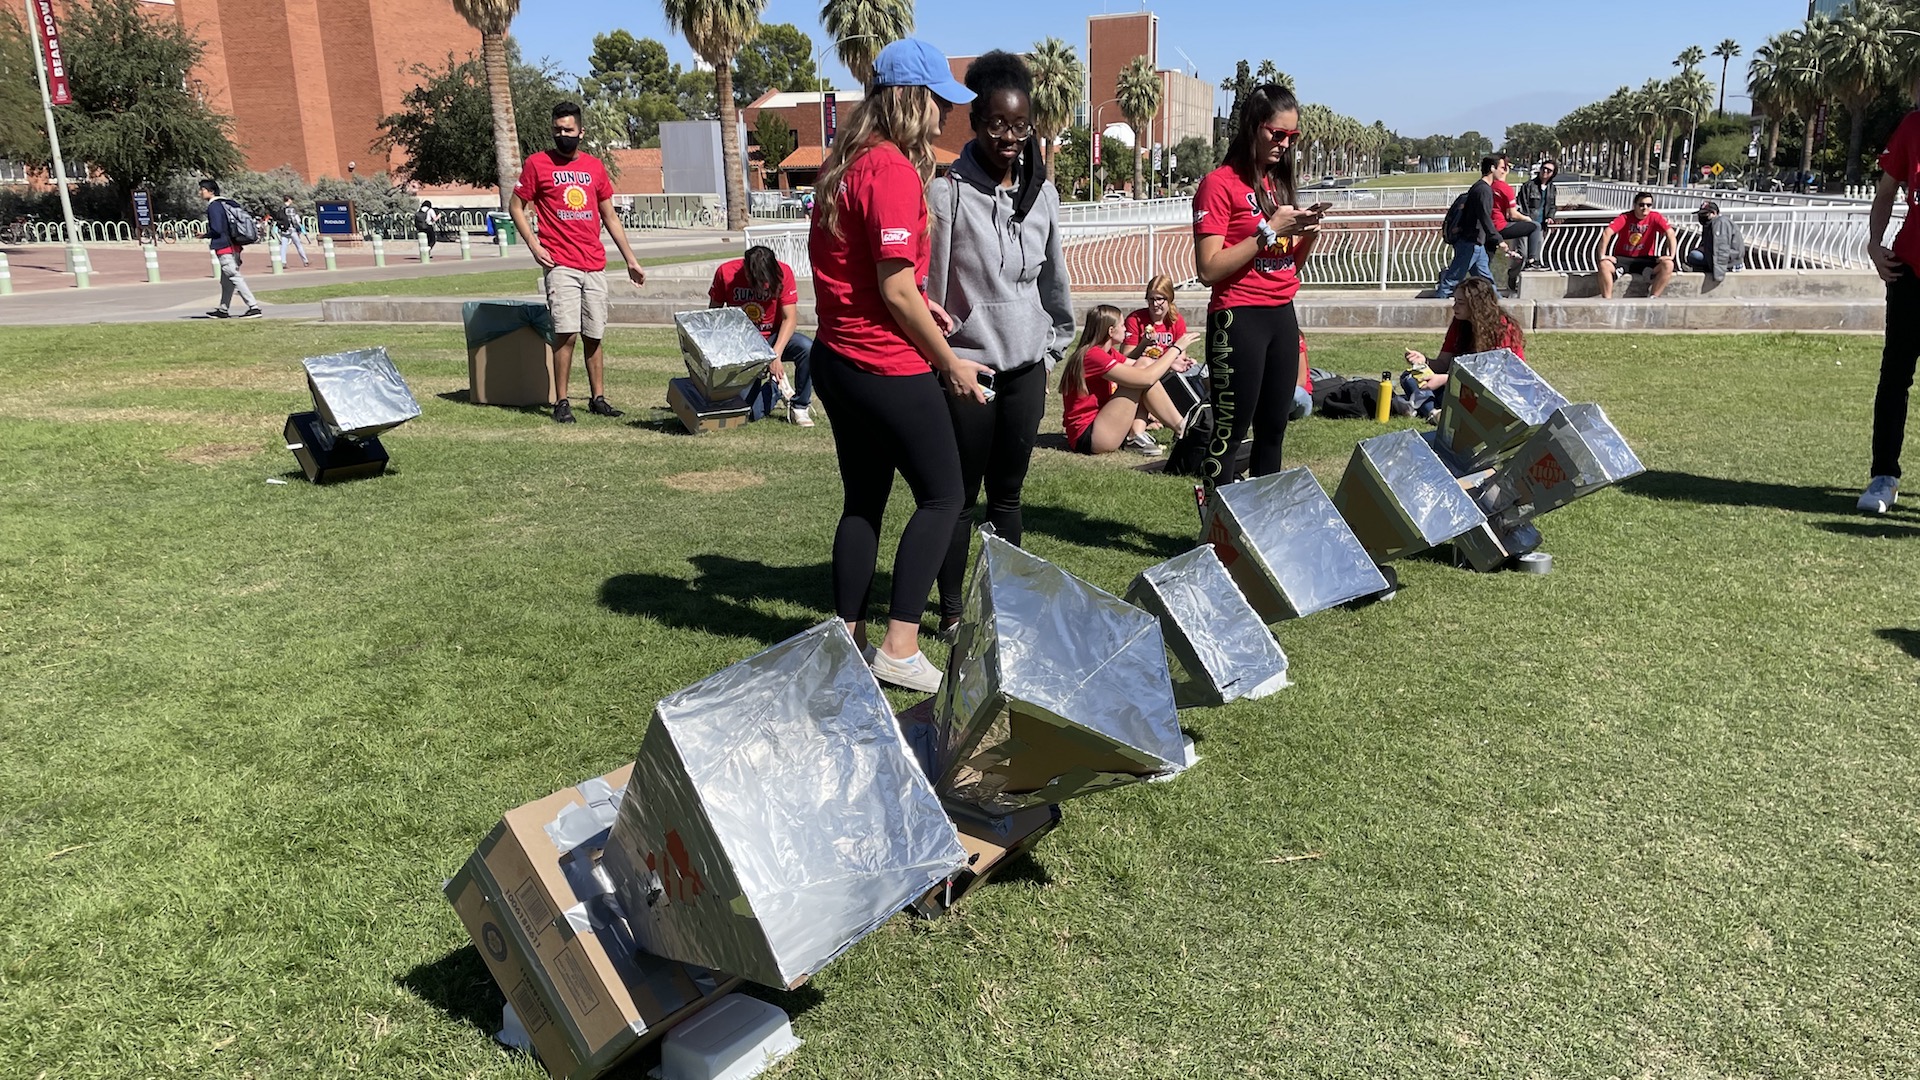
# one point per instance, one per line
(420, 221)
(1450, 229)
(1189, 451)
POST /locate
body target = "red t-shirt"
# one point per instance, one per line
(1159, 336)
(1079, 407)
(732, 288)
(1502, 201)
(1226, 207)
(1901, 160)
(883, 215)
(1636, 239)
(1459, 330)
(566, 198)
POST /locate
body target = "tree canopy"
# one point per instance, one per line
(779, 57)
(445, 124)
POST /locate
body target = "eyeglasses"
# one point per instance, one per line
(1000, 129)
(1158, 300)
(1643, 206)
(1277, 134)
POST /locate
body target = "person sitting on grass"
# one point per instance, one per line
(1479, 324)
(1150, 332)
(1106, 397)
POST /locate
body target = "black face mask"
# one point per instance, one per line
(566, 144)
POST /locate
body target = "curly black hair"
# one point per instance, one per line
(992, 72)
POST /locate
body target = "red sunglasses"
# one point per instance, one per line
(1276, 134)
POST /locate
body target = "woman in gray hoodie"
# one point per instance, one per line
(998, 269)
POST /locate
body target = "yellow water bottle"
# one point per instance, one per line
(1384, 407)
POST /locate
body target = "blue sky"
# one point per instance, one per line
(1419, 65)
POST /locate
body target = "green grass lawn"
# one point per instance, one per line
(478, 283)
(1652, 815)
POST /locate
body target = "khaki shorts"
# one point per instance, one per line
(578, 301)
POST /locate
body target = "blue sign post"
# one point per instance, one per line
(336, 218)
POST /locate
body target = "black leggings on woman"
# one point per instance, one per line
(1253, 362)
(996, 443)
(884, 423)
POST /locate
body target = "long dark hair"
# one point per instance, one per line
(1094, 333)
(1263, 103)
(1488, 325)
(763, 268)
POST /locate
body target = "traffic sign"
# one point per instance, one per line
(1718, 168)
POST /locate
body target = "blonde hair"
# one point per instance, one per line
(902, 115)
(1096, 331)
(1162, 285)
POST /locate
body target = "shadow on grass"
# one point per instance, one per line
(459, 985)
(794, 1002)
(1908, 641)
(1717, 491)
(465, 397)
(1871, 530)
(724, 597)
(1074, 527)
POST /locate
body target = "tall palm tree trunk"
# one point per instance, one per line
(1138, 191)
(1724, 61)
(506, 136)
(1856, 135)
(730, 149)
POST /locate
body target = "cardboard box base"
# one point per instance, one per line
(325, 459)
(992, 844)
(698, 415)
(515, 370)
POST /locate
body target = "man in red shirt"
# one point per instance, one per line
(1632, 243)
(763, 287)
(572, 195)
(1899, 267)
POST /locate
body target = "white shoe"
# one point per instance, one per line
(1880, 494)
(916, 672)
(798, 415)
(1143, 443)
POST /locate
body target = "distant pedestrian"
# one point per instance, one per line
(287, 220)
(1899, 267)
(573, 197)
(1471, 231)
(1540, 203)
(227, 250)
(1632, 244)
(427, 221)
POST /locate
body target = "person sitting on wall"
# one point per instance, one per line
(1721, 249)
(763, 287)
(1479, 324)
(1632, 244)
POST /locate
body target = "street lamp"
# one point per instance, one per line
(1094, 134)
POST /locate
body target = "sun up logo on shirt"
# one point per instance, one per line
(753, 310)
(743, 294)
(572, 176)
(679, 881)
(575, 197)
(890, 237)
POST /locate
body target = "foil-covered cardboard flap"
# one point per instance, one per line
(1287, 546)
(1400, 498)
(1494, 402)
(359, 394)
(723, 349)
(1221, 651)
(1576, 452)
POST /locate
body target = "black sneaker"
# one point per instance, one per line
(598, 406)
(219, 313)
(250, 313)
(563, 412)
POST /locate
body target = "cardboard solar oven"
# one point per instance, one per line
(777, 816)
(1576, 452)
(1054, 689)
(1494, 402)
(1399, 497)
(509, 352)
(356, 396)
(1220, 649)
(699, 415)
(541, 912)
(1287, 546)
(724, 351)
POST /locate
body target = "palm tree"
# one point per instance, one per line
(1690, 57)
(717, 30)
(861, 28)
(1767, 84)
(1805, 76)
(1861, 59)
(1058, 80)
(1138, 94)
(1649, 104)
(491, 18)
(1726, 51)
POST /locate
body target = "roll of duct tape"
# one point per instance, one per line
(1534, 562)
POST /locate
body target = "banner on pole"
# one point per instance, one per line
(1820, 124)
(1093, 147)
(49, 33)
(833, 117)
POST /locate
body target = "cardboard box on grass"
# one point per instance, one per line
(1575, 453)
(724, 351)
(1494, 402)
(542, 919)
(1054, 689)
(509, 352)
(1220, 649)
(1399, 498)
(1287, 546)
(699, 415)
(359, 394)
(778, 815)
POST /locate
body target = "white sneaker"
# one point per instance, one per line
(1880, 494)
(798, 414)
(1143, 443)
(916, 672)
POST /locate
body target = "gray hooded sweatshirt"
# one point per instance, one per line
(1003, 281)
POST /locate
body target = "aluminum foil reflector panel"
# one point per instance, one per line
(1054, 689)
(1494, 402)
(1400, 498)
(776, 815)
(1287, 546)
(359, 394)
(723, 349)
(1220, 649)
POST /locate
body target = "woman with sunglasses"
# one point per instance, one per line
(1248, 242)
(998, 270)
(879, 345)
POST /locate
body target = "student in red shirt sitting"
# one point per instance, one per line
(1632, 242)
(881, 355)
(763, 287)
(1105, 396)
(1150, 333)
(1479, 324)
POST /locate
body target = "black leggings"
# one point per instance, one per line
(996, 443)
(1253, 362)
(1897, 360)
(883, 423)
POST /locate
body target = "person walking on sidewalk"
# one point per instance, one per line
(291, 230)
(1899, 267)
(573, 198)
(227, 250)
(1470, 229)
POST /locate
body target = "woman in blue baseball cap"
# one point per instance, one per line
(881, 354)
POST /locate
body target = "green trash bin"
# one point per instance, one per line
(501, 224)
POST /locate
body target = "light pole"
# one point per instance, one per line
(1096, 133)
(1692, 136)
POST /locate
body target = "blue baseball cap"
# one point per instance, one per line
(912, 62)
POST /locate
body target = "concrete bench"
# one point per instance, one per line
(1838, 285)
